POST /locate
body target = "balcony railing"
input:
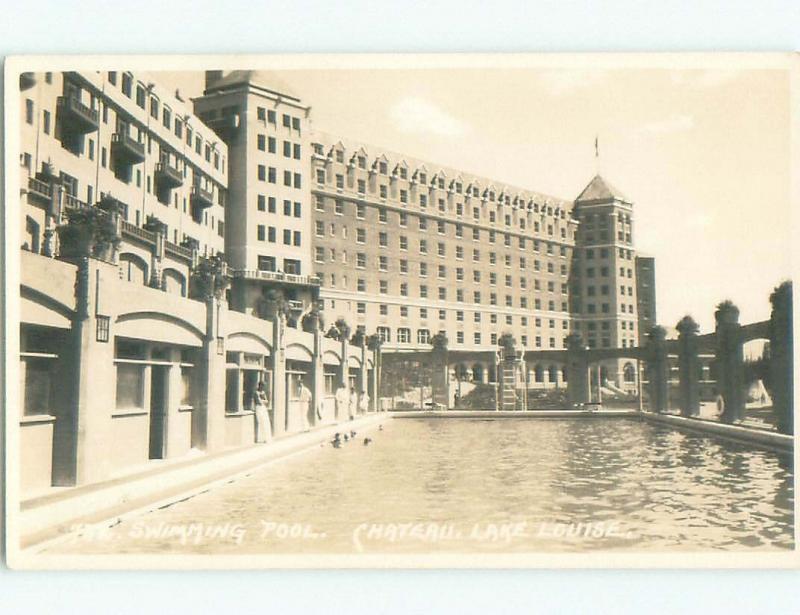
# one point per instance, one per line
(131, 231)
(77, 117)
(277, 276)
(173, 249)
(126, 149)
(201, 198)
(168, 175)
(39, 189)
(73, 202)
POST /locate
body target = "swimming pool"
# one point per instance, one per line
(464, 485)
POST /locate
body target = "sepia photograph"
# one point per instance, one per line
(400, 311)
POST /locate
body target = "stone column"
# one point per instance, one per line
(208, 418)
(344, 369)
(317, 378)
(577, 371)
(239, 408)
(657, 369)
(81, 453)
(729, 359)
(279, 400)
(376, 381)
(440, 376)
(174, 437)
(362, 374)
(688, 367)
(157, 260)
(781, 365)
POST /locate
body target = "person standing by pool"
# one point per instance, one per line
(353, 405)
(263, 427)
(305, 399)
(341, 401)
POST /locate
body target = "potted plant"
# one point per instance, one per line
(374, 343)
(209, 278)
(89, 231)
(343, 328)
(359, 337)
(439, 341)
(273, 304)
(154, 225)
(507, 344)
(313, 320)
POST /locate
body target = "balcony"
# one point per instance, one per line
(277, 276)
(131, 231)
(126, 149)
(201, 198)
(226, 126)
(168, 176)
(177, 251)
(73, 202)
(39, 190)
(77, 117)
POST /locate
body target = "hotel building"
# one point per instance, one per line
(268, 237)
(409, 248)
(91, 136)
(123, 362)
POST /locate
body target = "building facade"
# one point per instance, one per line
(408, 248)
(93, 136)
(268, 238)
(156, 347)
(646, 294)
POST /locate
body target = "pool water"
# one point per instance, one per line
(464, 485)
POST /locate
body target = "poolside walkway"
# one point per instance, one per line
(58, 513)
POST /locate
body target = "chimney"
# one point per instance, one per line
(212, 76)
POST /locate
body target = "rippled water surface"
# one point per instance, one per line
(459, 485)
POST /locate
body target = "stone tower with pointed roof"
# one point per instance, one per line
(268, 218)
(603, 281)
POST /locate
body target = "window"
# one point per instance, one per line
(28, 111)
(127, 82)
(384, 334)
(423, 336)
(404, 335)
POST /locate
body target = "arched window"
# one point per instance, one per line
(133, 268)
(174, 282)
(629, 372)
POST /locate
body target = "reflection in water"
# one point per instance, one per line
(486, 486)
